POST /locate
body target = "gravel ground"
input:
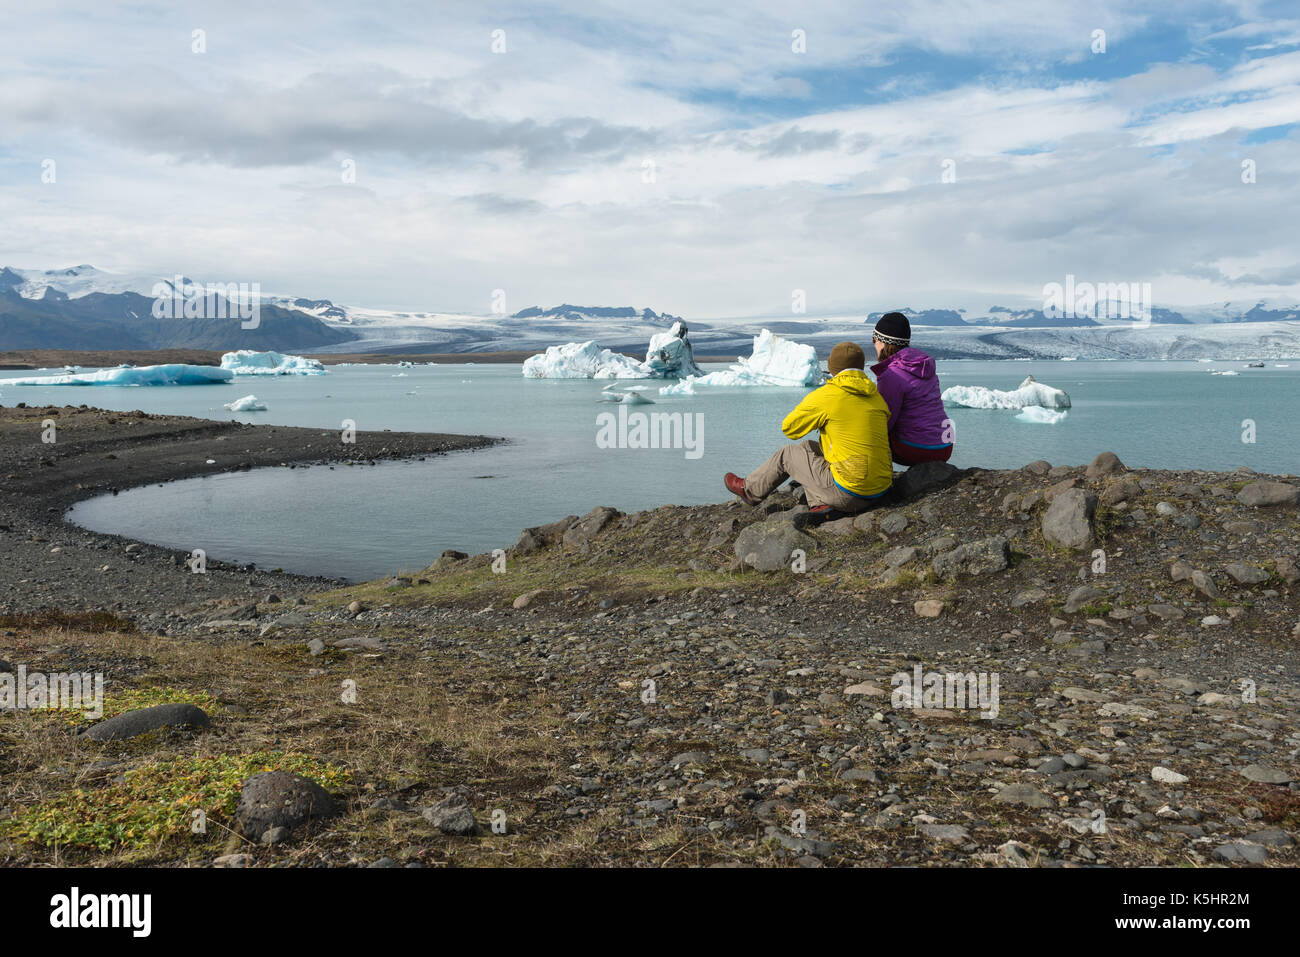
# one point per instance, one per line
(632, 690)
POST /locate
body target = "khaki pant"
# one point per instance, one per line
(804, 462)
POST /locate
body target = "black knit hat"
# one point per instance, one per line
(893, 329)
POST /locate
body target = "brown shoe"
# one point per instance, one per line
(736, 486)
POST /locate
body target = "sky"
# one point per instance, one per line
(842, 157)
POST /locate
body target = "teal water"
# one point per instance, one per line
(364, 522)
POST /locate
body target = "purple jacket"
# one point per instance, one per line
(910, 388)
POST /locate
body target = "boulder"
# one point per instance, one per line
(130, 724)
(767, 546)
(1107, 463)
(924, 478)
(278, 799)
(1062, 486)
(581, 532)
(1070, 521)
(1269, 493)
(982, 557)
(531, 539)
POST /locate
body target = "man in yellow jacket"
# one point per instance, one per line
(850, 469)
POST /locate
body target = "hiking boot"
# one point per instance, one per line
(736, 486)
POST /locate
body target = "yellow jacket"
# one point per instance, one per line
(854, 424)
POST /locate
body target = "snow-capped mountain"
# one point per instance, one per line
(53, 308)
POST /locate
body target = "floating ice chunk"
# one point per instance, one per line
(774, 361)
(1030, 393)
(582, 360)
(1037, 414)
(670, 355)
(628, 395)
(685, 387)
(171, 374)
(249, 403)
(248, 362)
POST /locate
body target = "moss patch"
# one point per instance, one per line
(156, 803)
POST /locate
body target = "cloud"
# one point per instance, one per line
(768, 170)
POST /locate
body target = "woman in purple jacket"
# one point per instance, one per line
(919, 428)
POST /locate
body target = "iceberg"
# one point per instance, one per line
(774, 361)
(1030, 393)
(249, 403)
(685, 387)
(1041, 416)
(171, 374)
(671, 356)
(582, 360)
(248, 362)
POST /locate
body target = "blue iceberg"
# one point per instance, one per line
(171, 374)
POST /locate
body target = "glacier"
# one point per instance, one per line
(1030, 393)
(249, 362)
(170, 374)
(249, 403)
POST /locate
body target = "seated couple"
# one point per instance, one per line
(863, 426)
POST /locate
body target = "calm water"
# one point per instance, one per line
(365, 522)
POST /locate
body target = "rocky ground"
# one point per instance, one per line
(714, 685)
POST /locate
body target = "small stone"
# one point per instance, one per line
(1264, 494)
(1203, 583)
(1241, 852)
(526, 599)
(1023, 794)
(1082, 596)
(1167, 776)
(928, 608)
(452, 815)
(947, 833)
(898, 557)
(1246, 574)
(1069, 521)
(1263, 774)
(893, 523)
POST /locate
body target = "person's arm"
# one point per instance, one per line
(805, 417)
(892, 392)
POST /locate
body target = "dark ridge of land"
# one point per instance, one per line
(632, 690)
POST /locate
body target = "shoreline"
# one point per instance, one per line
(50, 562)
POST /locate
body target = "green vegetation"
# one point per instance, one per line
(156, 803)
